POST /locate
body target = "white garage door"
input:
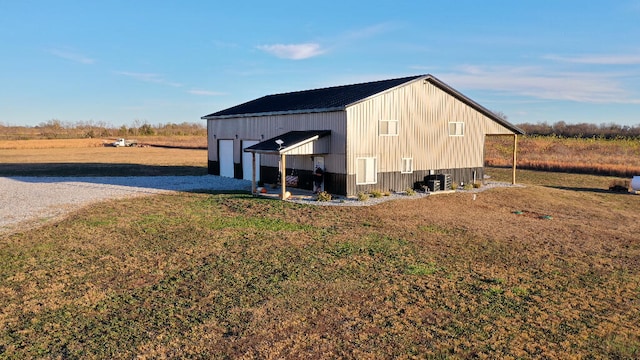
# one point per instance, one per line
(247, 168)
(225, 156)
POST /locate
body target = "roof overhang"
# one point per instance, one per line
(273, 113)
(455, 93)
(292, 142)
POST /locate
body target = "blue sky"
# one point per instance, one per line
(119, 62)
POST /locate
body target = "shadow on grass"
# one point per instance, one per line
(98, 169)
(592, 190)
(231, 194)
(182, 147)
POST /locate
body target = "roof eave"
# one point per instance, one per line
(274, 113)
(297, 145)
(319, 134)
(490, 114)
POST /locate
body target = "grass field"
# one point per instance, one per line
(89, 157)
(619, 157)
(188, 142)
(551, 270)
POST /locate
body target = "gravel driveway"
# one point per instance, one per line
(29, 200)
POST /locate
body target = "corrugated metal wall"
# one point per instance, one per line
(320, 146)
(264, 127)
(423, 112)
(399, 182)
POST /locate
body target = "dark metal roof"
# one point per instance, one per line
(289, 140)
(331, 98)
(337, 98)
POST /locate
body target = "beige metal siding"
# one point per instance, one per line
(212, 145)
(320, 146)
(423, 112)
(265, 127)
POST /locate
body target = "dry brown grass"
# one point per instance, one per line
(106, 155)
(232, 276)
(551, 270)
(187, 142)
(87, 157)
(619, 157)
(52, 144)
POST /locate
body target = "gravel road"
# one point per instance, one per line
(32, 200)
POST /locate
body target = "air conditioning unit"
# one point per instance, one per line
(433, 185)
(445, 181)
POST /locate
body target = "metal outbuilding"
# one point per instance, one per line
(385, 135)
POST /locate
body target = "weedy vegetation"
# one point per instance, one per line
(611, 157)
(362, 196)
(323, 196)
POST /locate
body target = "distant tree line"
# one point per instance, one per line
(56, 129)
(583, 130)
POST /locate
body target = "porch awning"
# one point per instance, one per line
(309, 142)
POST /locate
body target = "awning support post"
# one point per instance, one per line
(253, 174)
(515, 149)
(283, 175)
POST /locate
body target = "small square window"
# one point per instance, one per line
(388, 128)
(407, 166)
(456, 129)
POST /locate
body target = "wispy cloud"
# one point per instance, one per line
(205, 92)
(351, 38)
(368, 31)
(71, 56)
(620, 59)
(224, 44)
(313, 49)
(293, 51)
(541, 83)
(148, 77)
